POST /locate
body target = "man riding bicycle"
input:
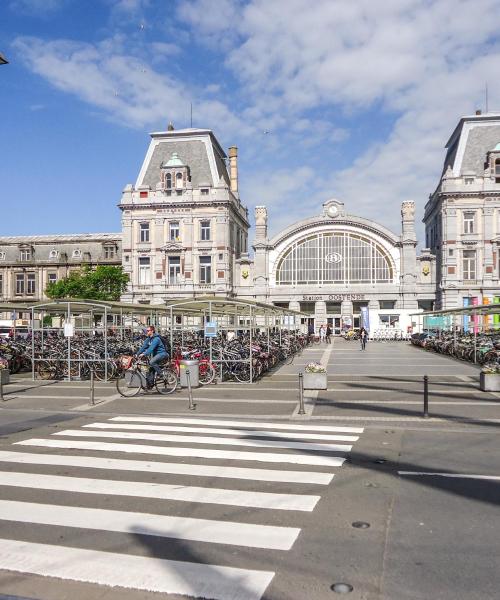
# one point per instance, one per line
(154, 348)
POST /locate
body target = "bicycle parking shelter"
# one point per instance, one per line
(470, 320)
(100, 318)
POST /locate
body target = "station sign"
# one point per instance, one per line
(210, 329)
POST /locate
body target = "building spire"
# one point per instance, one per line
(170, 126)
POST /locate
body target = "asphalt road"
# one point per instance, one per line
(244, 507)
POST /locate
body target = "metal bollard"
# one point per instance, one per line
(192, 405)
(302, 410)
(92, 390)
(426, 397)
(2, 399)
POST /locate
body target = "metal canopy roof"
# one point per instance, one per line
(188, 306)
(480, 309)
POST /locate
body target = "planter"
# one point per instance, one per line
(315, 381)
(489, 382)
(4, 376)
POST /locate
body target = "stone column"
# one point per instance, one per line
(261, 273)
(320, 313)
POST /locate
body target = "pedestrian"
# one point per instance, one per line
(322, 333)
(363, 337)
(310, 332)
(328, 334)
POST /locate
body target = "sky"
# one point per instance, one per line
(325, 99)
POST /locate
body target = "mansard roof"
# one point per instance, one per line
(196, 148)
(472, 139)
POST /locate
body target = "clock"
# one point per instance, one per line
(332, 211)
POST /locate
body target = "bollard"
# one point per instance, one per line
(192, 405)
(302, 410)
(2, 399)
(426, 397)
(92, 391)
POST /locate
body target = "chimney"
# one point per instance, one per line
(478, 112)
(170, 126)
(260, 223)
(233, 168)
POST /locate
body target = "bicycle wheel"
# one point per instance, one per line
(241, 372)
(130, 384)
(167, 382)
(206, 373)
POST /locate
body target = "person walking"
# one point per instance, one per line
(322, 333)
(328, 334)
(363, 338)
(310, 332)
(155, 348)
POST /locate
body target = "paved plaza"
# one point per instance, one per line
(244, 498)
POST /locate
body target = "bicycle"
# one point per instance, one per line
(134, 378)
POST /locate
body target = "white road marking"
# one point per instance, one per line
(239, 433)
(134, 572)
(453, 475)
(189, 439)
(115, 464)
(297, 458)
(182, 528)
(241, 424)
(163, 491)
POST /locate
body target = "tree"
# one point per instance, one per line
(102, 283)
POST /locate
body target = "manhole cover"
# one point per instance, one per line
(341, 588)
(361, 524)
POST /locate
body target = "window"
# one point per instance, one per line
(204, 192)
(25, 254)
(109, 252)
(2, 255)
(469, 180)
(77, 254)
(144, 270)
(450, 252)
(469, 222)
(205, 231)
(30, 280)
(179, 181)
(389, 320)
(334, 258)
(174, 231)
(497, 170)
(20, 284)
(52, 277)
(53, 254)
(387, 304)
(174, 269)
(469, 264)
(1, 284)
(205, 269)
(144, 232)
(168, 181)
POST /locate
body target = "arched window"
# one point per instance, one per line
(179, 181)
(168, 181)
(334, 258)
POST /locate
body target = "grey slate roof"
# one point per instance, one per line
(479, 142)
(61, 237)
(192, 153)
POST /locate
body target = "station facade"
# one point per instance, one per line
(341, 269)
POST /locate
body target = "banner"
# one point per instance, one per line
(365, 318)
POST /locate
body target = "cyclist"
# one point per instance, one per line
(154, 348)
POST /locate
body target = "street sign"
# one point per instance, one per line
(211, 329)
(69, 330)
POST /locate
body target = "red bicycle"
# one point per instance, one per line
(206, 370)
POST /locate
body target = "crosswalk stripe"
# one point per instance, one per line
(183, 528)
(239, 433)
(114, 464)
(242, 424)
(134, 572)
(189, 439)
(270, 500)
(295, 458)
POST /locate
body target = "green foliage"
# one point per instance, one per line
(102, 283)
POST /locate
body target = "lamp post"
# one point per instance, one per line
(3, 60)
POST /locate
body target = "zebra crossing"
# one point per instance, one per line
(172, 479)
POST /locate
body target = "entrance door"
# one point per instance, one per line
(335, 324)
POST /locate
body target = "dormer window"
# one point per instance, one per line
(168, 181)
(174, 174)
(25, 254)
(53, 254)
(2, 255)
(179, 181)
(76, 254)
(109, 252)
(497, 170)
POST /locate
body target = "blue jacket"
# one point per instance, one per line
(153, 345)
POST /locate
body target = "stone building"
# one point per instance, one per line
(462, 216)
(184, 226)
(336, 267)
(29, 263)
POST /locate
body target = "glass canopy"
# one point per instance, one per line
(334, 258)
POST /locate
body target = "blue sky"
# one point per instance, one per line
(324, 99)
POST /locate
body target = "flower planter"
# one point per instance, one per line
(489, 382)
(315, 381)
(4, 376)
